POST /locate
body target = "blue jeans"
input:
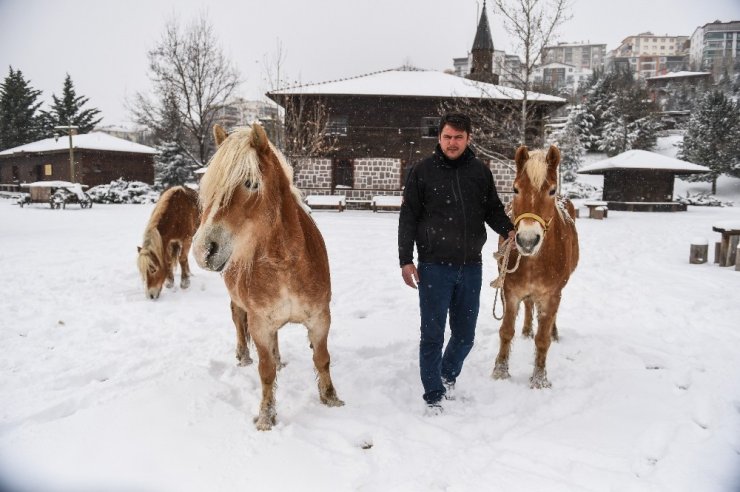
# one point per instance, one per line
(443, 288)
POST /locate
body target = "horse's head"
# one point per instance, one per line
(152, 262)
(241, 194)
(534, 202)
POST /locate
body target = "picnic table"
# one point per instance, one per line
(338, 202)
(730, 230)
(597, 209)
(386, 202)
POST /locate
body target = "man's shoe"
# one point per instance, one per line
(449, 389)
(434, 409)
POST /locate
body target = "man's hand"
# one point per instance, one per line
(410, 275)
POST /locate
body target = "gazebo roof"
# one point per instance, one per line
(643, 160)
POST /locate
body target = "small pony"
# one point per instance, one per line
(546, 255)
(271, 254)
(167, 239)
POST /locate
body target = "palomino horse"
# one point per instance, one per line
(547, 246)
(270, 252)
(167, 239)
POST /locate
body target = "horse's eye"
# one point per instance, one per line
(516, 190)
(552, 191)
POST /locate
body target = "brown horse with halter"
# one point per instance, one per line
(546, 255)
(270, 253)
(167, 240)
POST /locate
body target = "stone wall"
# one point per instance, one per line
(377, 176)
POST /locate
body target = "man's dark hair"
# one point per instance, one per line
(458, 121)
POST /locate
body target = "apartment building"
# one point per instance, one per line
(579, 55)
(715, 46)
(649, 55)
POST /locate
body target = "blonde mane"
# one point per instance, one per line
(536, 168)
(235, 163)
(151, 250)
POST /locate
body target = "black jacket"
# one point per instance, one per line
(445, 204)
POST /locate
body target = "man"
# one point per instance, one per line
(446, 201)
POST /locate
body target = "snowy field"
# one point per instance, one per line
(104, 390)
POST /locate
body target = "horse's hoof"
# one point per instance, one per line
(264, 422)
(244, 361)
(332, 402)
(539, 381)
(501, 371)
(528, 334)
(184, 283)
(169, 284)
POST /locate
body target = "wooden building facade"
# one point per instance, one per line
(98, 159)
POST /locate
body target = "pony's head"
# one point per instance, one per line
(152, 261)
(534, 202)
(242, 194)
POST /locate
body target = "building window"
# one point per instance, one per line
(337, 125)
(47, 169)
(430, 127)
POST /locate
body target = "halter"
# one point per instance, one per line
(545, 225)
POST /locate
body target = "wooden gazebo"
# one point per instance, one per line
(638, 180)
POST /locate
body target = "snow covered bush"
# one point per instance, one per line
(580, 190)
(702, 200)
(121, 191)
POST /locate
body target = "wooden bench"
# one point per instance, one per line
(730, 230)
(386, 202)
(338, 202)
(597, 210)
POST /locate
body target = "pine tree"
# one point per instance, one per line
(570, 140)
(19, 123)
(68, 110)
(172, 167)
(712, 137)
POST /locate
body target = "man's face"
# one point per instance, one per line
(453, 141)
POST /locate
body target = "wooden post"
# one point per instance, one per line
(737, 259)
(717, 249)
(597, 213)
(699, 251)
(732, 253)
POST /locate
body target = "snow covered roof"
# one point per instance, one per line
(414, 83)
(677, 75)
(642, 159)
(89, 141)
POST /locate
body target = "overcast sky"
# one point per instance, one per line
(102, 44)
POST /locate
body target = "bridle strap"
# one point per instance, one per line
(545, 225)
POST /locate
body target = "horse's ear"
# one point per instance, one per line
(553, 157)
(259, 138)
(219, 134)
(521, 156)
(138, 249)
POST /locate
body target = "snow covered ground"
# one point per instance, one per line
(104, 390)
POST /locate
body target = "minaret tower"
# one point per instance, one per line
(482, 69)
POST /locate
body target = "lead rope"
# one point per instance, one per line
(502, 257)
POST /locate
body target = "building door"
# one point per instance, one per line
(343, 174)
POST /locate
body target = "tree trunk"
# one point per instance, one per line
(714, 185)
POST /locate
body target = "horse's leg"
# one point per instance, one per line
(546, 311)
(239, 316)
(276, 352)
(506, 334)
(261, 333)
(184, 265)
(555, 336)
(174, 249)
(528, 315)
(318, 332)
